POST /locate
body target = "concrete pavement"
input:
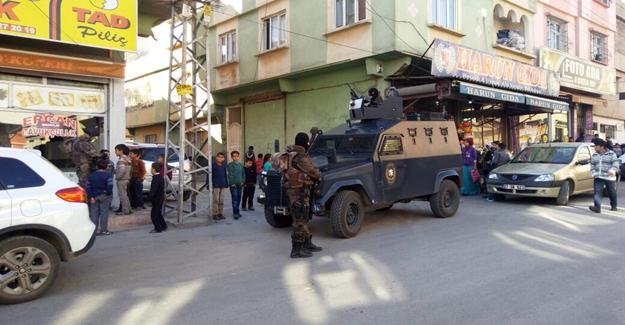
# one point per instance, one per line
(517, 262)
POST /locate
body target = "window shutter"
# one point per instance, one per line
(362, 9)
(564, 38)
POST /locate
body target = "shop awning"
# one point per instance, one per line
(512, 97)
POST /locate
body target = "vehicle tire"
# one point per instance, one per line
(38, 270)
(186, 195)
(446, 201)
(347, 213)
(384, 208)
(499, 197)
(564, 194)
(277, 220)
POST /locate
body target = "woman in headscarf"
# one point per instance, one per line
(469, 163)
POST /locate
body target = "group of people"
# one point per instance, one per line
(477, 164)
(239, 178)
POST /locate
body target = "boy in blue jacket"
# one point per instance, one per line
(220, 184)
(99, 191)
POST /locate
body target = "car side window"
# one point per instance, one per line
(14, 174)
(583, 154)
(391, 145)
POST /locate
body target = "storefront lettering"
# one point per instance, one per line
(49, 125)
(6, 8)
(98, 17)
(492, 94)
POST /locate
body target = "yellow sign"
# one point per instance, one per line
(109, 24)
(184, 90)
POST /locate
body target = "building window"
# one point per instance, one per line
(599, 47)
(444, 13)
(151, 138)
(349, 12)
(556, 34)
(274, 32)
(228, 47)
(609, 130)
(605, 3)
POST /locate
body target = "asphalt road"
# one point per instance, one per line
(516, 262)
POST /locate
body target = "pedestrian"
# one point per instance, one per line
(259, 168)
(300, 176)
(99, 192)
(603, 166)
(250, 155)
(106, 156)
(83, 155)
(157, 197)
(122, 177)
(608, 143)
(137, 175)
(236, 180)
(250, 186)
(220, 184)
(469, 163)
(267, 163)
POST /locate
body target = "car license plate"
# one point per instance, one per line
(513, 187)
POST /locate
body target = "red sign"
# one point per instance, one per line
(49, 125)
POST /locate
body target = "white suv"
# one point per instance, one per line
(44, 219)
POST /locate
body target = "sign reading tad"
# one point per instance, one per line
(109, 24)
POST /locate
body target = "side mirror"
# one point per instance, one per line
(583, 162)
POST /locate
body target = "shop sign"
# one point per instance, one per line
(49, 125)
(453, 60)
(579, 74)
(109, 24)
(491, 93)
(546, 103)
(57, 99)
(4, 95)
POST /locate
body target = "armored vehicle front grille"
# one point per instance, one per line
(275, 194)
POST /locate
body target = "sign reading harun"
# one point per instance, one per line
(579, 74)
(109, 24)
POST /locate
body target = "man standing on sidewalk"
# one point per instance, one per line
(122, 177)
(604, 166)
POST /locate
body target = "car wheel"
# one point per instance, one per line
(564, 194)
(277, 220)
(28, 268)
(499, 197)
(347, 214)
(445, 203)
(385, 208)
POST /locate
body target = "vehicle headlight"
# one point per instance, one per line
(493, 176)
(545, 178)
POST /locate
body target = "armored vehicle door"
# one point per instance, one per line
(391, 167)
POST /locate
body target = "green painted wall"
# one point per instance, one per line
(383, 33)
(248, 47)
(264, 123)
(307, 18)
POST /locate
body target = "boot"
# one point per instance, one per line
(309, 246)
(298, 252)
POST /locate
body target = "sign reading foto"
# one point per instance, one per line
(453, 60)
(579, 74)
(108, 24)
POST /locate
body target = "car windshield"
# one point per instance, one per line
(345, 145)
(151, 154)
(549, 155)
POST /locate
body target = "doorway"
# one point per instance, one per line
(233, 131)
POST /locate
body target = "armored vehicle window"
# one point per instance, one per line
(391, 146)
(344, 144)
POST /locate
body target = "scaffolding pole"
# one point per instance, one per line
(189, 114)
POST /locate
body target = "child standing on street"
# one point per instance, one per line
(250, 185)
(220, 184)
(259, 167)
(100, 191)
(267, 163)
(137, 175)
(157, 196)
(236, 179)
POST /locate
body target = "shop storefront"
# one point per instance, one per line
(493, 98)
(584, 83)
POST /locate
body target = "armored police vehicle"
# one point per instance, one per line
(375, 160)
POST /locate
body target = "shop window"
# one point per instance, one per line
(14, 174)
(444, 13)
(20, 78)
(599, 47)
(557, 34)
(609, 130)
(151, 138)
(392, 146)
(72, 83)
(349, 12)
(274, 32)
(510, 28)
(228, 47)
